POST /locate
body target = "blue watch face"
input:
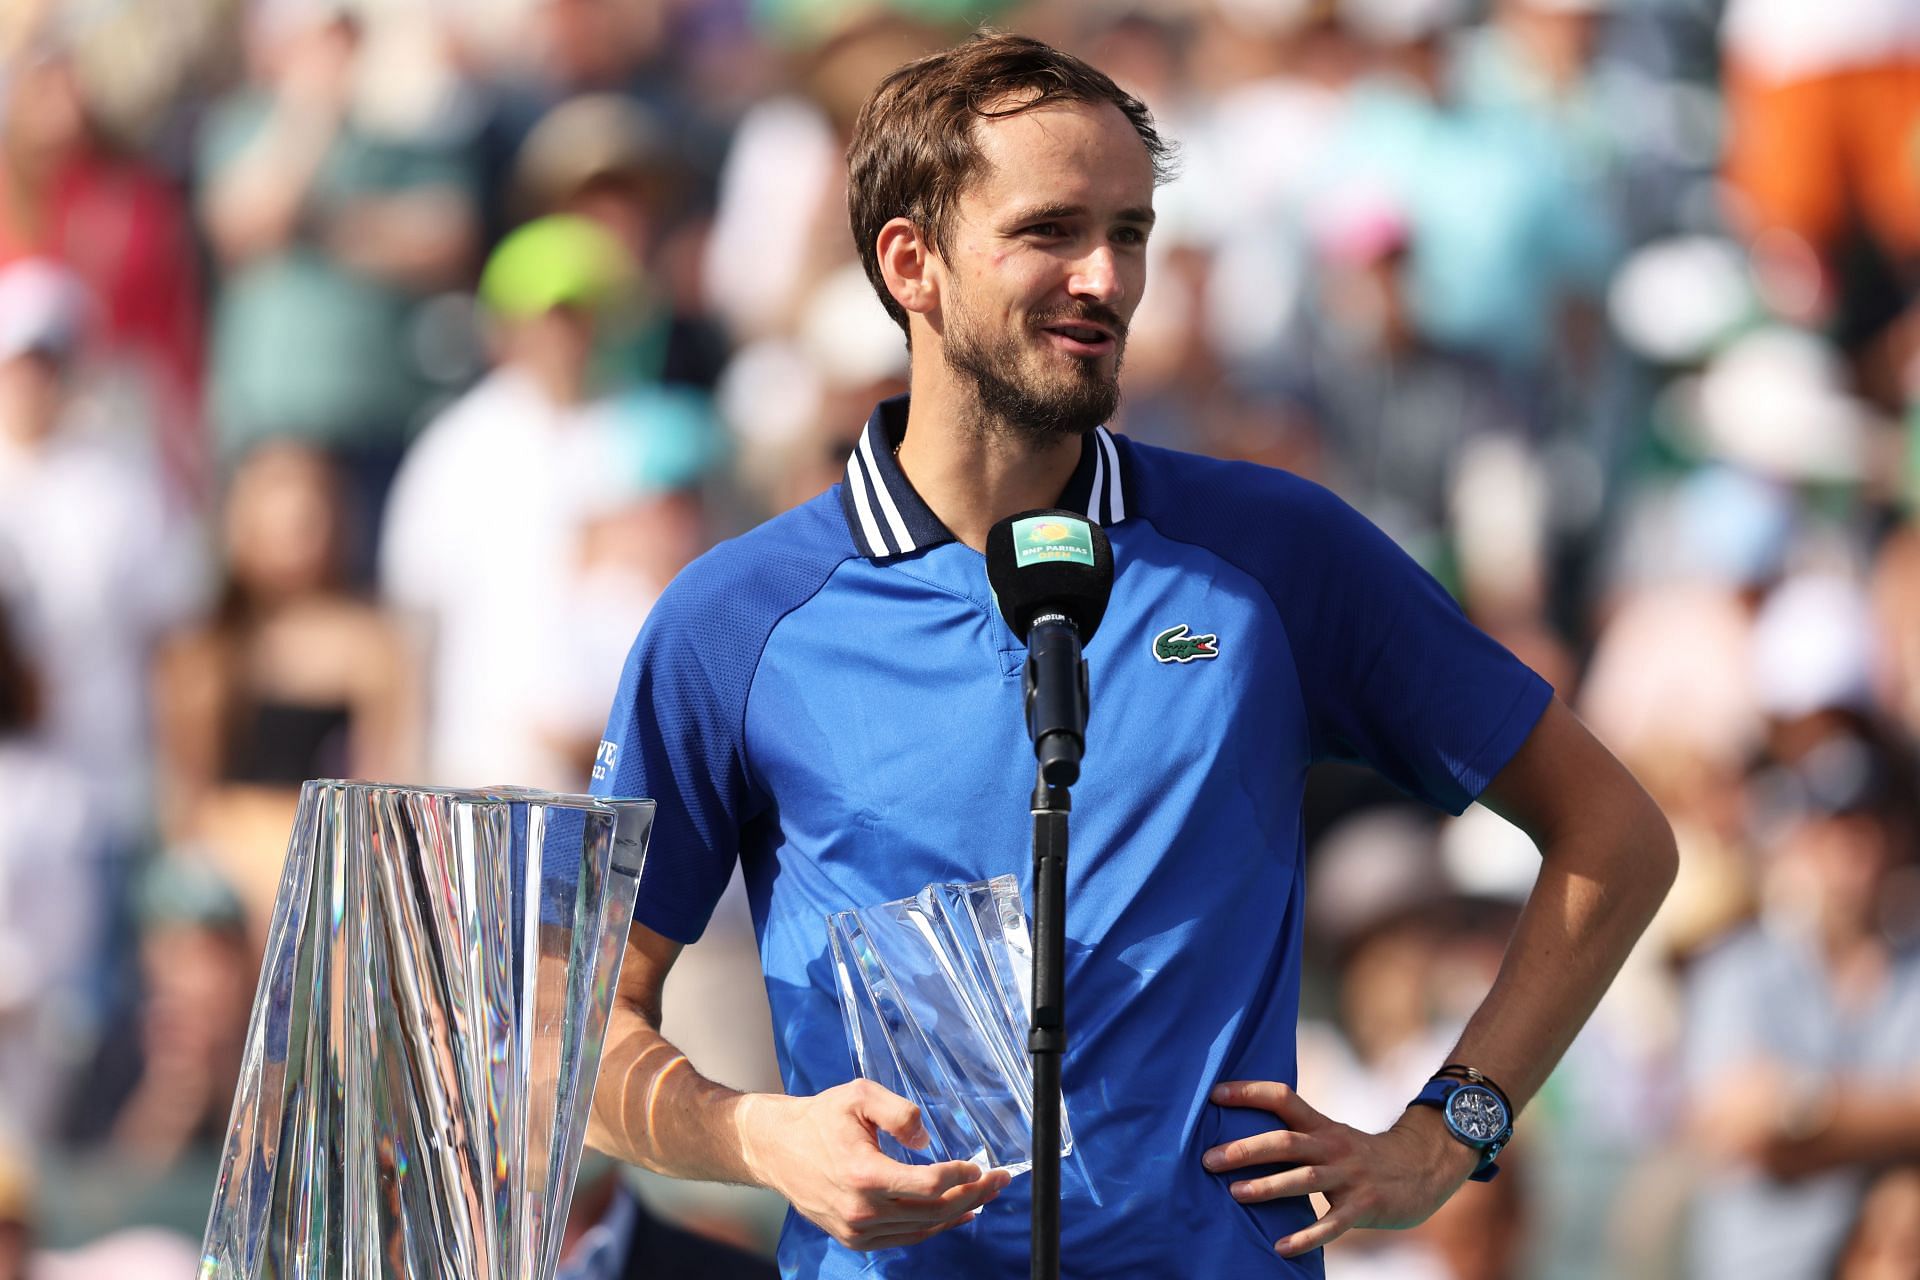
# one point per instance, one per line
(1476, 1114)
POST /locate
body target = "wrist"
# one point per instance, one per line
(755, 1123)
(1444, 1157)
(1807, 1109)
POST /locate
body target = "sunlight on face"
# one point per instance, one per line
(1045, 264)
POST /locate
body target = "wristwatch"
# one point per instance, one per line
(1476, 1113)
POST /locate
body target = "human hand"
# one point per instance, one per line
(823, 1154)
(1393, 1179)
(316, 68)
(1738, 1116)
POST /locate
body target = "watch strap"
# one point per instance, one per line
(1473, 1075)
(1438, 1091)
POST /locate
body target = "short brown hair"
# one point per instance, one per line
(914, 148)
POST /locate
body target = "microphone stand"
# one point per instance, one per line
(1056, 698)
(1047, 1038)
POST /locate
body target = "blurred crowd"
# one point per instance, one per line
(367, 368)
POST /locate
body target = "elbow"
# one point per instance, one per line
(1654, 851)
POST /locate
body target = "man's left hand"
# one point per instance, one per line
(1393, 1179)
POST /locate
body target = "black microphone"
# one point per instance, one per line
(1052, 573)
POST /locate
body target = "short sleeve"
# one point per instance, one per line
(674, 736)
(1724, 995)
(1393, 674)
(232, 123)
(677, 732)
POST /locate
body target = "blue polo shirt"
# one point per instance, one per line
(833, 701)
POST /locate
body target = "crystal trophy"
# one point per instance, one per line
(426, 1034)
(936, 991)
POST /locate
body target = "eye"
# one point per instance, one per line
(1134, 236)
(1046, 230)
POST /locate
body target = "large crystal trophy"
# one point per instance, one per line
(426, 1035)
(936, 993)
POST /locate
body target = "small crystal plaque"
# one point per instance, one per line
(936, 991)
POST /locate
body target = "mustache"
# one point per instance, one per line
(1089, 312)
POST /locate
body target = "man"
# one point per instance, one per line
(527, 479)
(1802, 1064)
(102, 564)
(834, 700)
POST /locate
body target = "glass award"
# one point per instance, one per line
(936, 992)
(426, 1034)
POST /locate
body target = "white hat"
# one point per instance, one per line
(1674, 300)
(847, 333)
(1813, 647)
(1777, 401)
(1369, 868)
(1402, 21)
(43, 308)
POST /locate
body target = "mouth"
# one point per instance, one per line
(1083, 339)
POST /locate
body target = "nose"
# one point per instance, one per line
(1096, 276)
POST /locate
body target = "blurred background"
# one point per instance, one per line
(367, 368)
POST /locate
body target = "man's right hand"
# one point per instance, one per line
(823, 1154)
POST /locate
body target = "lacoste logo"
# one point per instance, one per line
(1175, 645)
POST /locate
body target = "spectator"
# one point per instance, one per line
(1885, 1241)
(609, 159)
(1395, 408)
(50, 906)
(1401, 939)
(1823, 104)
(114, 221)
(293, 677)
(102, 566)
(1803, 1044)
(147, 1124)
(1508, 241)
(790, 152)
(328, 234)
(612, 1235)
(484, 532)
(636, 473)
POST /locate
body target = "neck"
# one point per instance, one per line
(973, 473)
(1856, 964)
(563, 387)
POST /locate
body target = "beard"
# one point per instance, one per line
(1020, 397)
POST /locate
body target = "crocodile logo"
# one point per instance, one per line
(1175, 645)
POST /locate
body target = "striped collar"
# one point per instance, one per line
(887, 518)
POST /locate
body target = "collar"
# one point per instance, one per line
(887, 518)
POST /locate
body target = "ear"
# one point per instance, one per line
(909, 266)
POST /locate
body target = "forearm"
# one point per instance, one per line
(651, 1108)
(1850, 1123)
(256, 205)
(420, 240)
(1598, 888)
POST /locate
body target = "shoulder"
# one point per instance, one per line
(352, 624)
(472, 437)
(1192, 491)
(743, 587)
(690, 673)
(1279, 527)
(117, 480)
(1749, 957)
(499, 402)
(229, 123)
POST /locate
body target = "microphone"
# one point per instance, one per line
(1052, 573)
